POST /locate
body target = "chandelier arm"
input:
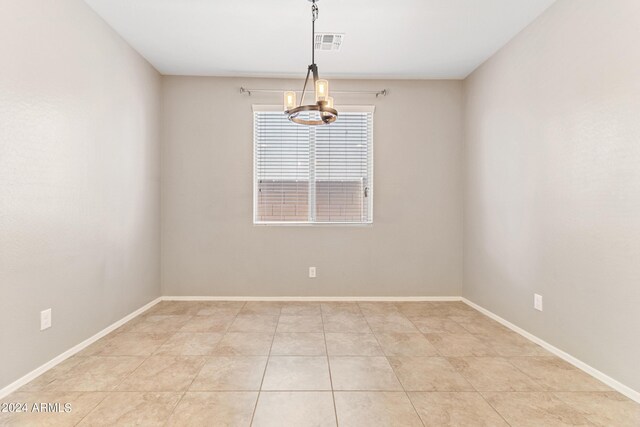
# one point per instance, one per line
(304, 87)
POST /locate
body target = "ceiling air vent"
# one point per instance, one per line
(329, 41)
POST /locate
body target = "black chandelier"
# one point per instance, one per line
(324, 103)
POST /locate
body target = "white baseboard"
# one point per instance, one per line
(75, 349)
(309, 299)
(614, 384)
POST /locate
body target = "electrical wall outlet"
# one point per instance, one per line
(537, 302)
(312, 272)
(45, 319)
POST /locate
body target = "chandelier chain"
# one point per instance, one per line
(314, 16)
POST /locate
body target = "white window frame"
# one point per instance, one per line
(345, 108)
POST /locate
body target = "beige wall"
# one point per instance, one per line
(552, 182)
(211, 247)
(79, 196)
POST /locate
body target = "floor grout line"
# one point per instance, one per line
(492, 407)
(198, 373)
(114, 390)
(92, 409)
(326, 350)
(266, 365)
(447, 360)
(425, 337)
(393, 370)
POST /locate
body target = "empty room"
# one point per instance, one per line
(299, 213)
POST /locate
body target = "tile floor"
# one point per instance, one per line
(319, 364)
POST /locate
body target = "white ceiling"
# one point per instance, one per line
(384, 38)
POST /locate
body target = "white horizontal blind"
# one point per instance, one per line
(306, 174)
(343, 169)
(281, 168)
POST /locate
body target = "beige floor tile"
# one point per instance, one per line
(219, 311)
(180, 308)
(298, 344)
(437, 325)
(415, 308)
(127, 344)
(435, 309)
(346, 323)
(155, 323)
(554, 374)
(375, 409)
(535, 409)
(94, 373)
(428, 374)
(48, 378)
(297, 373)
(80, 405)
(363, 373)
(262, 307)
(329, 308)
(215, 323)
(455, 409)
(482, 325)
(459, 345)
(158, 308)
(493, 374)
(133, 408)
(230, 373)
(163, 373)
(244, 343)
(295, 408)
(220, 308)
(390, 323)
(214, 409)
(190, 344)
(378, 308)
(604, 408)
(254, 323)
(467, 316)
(352, 345)
(510, 344)
(401, 344)
(459, 308)
(300, 309)
(419, 309)
(300, 323)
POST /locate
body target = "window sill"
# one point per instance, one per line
(312, 224)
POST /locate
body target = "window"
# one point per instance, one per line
(313, 174)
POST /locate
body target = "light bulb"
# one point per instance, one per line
(289, 100)
(322, 90)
